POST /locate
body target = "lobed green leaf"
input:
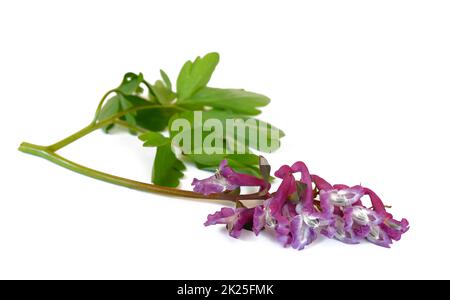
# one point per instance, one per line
(235, 100)
(167, 168)
(154, 139)
(195, 75)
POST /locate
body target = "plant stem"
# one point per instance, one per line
(97, 125)
(129, 126)
(72, 138)
(100, 105)
(49, 153)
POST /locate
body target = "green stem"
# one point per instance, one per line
(100, 105)
(129, 126)
(72, 138)
(94, 126)
(49, 153)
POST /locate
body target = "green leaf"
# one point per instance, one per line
(236, 100)
(155, 119)
(162, 93)
(167, 169)
(196, 75)
(111, 108)
(130, 84)
(127, 103)
(153, 139)
(162, 90)
(242, 167)
(121, 102)
(248, 159)
(211, 160)
(166, 79)
(260, 129)
(125, 98)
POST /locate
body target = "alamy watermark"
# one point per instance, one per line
(223, 136)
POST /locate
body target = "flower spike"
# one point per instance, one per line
(297, 218)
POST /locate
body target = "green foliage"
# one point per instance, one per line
(167, 168)
(195, 75)
(232, 140)
(151, 108)
(235, 100)
(154, 139)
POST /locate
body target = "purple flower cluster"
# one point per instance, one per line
(302, 209)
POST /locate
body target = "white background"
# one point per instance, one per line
(360, 87)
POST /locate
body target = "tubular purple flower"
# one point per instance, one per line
(393, 228)
(226, 179)
(302, 234)
(286, 188)
(377, 204)
(235, 219)
(361, 231)
(306, 225)
(343, 235)
(340, 192)
(360, 216)
(361, 221)
(281, 223)
(306, 179)
(342, 197)
(321, 183)
(239, 179)
(222, 216)
(367, 223)
(262, 217)
(259, 221)
(283, 231)
(379, 237)
(212, 185)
